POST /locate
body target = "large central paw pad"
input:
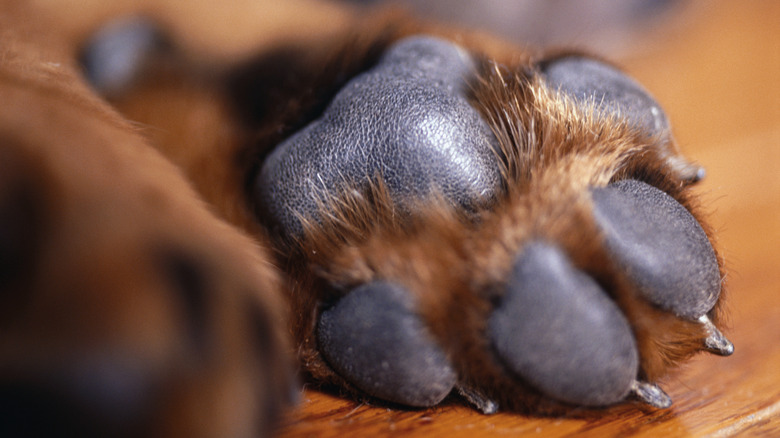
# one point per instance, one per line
(406, 121)
(581, 273)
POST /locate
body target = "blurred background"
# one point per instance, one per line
(603, 25)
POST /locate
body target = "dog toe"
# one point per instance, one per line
(374, 339)
(557, 329)
(660, 245)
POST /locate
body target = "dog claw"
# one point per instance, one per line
(480, 401)
(651, 394)
(715, 342)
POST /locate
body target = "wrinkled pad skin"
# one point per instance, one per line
(594, 82)
(407, 120)
(373, 338)
(557, 329)
(660, 245)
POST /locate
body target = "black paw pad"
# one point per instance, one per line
(406, 120)
(116, 55)
(594, 82)
(559, 331)
(373, 338)
(660, 246)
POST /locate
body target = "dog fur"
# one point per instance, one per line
(143, 292)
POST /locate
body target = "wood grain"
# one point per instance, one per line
(717, 72)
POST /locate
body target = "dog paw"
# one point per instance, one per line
(518, 234)
(127, 308)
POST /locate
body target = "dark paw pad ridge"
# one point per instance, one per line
(558, 330)
(374, 339)
(660, 246)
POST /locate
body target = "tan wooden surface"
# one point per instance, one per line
(717, 73)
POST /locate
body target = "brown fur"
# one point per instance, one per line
(109, 210)
(114, 221)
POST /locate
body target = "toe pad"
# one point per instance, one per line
(660, 246)
(373, 338)
(558, 330)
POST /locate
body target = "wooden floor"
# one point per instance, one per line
(717, 73)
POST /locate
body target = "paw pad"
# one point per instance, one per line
(557, 329)
(407, 120)
(660, 246)
(591, 82)
(373, 338)
(116, 56)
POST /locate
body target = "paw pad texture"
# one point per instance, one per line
(407, 121)
(559, 331)
(660, 246)
(373, 338)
